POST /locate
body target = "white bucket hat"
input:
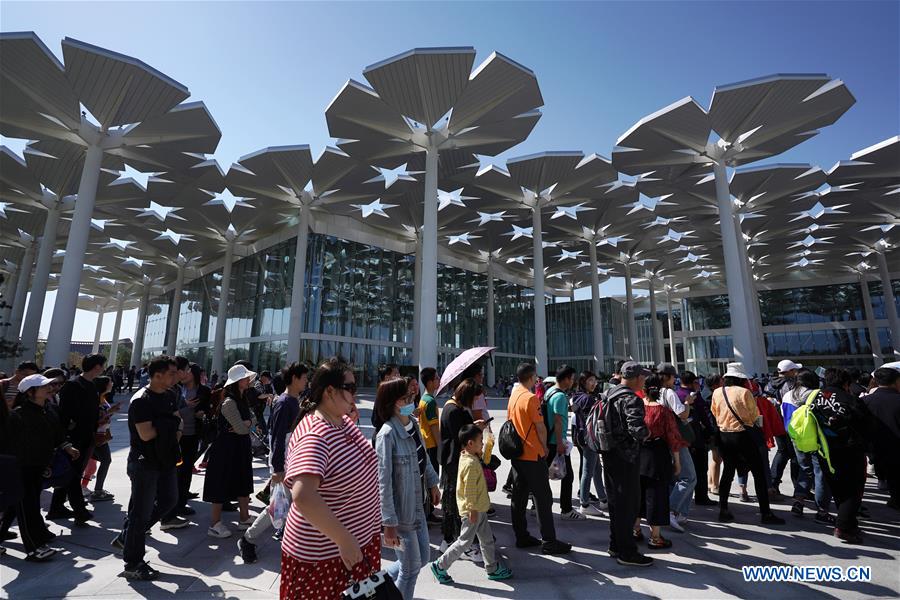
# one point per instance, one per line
(36, 380)
(788, 365)
(736, 369)
(238, 372)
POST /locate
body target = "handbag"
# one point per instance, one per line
(377, 586)
(490, 478)
(59, 472)
(755, 431)
(102, 437)
(686, 430)
(508, 441)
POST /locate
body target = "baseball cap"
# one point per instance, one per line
(788, 365)
(666, 369)
(631, 369)
(36, 380)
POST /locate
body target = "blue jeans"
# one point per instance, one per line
(811, 471)
(414, 553)
(764, 452)
(683, 488)
(154, 492)
(590, 470)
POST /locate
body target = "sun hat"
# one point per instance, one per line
(788, 365)
(238, 372)
(735, 369)
(36, 380)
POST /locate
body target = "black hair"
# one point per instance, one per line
(836, 377)
(244, 363)
(428, 373)
(688, 378)
(713, 380)
(386, 397)
(730, 380)
(28, 365)
(466, 392)
(619, 364)
(467, 433)
(90, 361)
(101, 383)
(525, 371)
(329, 374)
(196, 371)
(182, 363)
(54, 373)
(808, 379)
(471, 371)
(564, 372)
(886, 376)
(583, 379)
(295, 370)
(652, 386)
(385, 370)
(160, 364)
(266, 374)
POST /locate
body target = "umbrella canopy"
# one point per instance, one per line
(461, 363)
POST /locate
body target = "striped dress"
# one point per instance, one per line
(347, 468)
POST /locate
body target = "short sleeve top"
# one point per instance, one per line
(347, 467)
(428, 416)
(524, 412)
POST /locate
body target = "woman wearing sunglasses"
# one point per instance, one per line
(334, 524)
(404, 473)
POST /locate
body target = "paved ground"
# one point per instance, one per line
(704, 563)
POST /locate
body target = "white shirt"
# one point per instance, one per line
(668, 397)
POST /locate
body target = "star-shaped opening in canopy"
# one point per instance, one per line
(140, 178)
(228, 201)
(570, 211)
(463, 238)
(484, 217)
(173, 236)
(392, 176)
(819, 210)
(159, 212)
(518, 232)
(375, 207)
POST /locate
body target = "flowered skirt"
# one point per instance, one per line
(325, 579)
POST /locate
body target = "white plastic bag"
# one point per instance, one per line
(279, 505)
(558, 467)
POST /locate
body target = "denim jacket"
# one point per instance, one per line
(399, 481)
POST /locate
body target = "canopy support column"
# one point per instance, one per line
(428, 310)
(114, 343)
(175, 309)
(218, 362)
(874, 342)
(890, 306)
(491, 370)
(35, 311)
(137, 348)
(98, 331)
(540, 310)
(298, 289)
(596, 317)
(631, 347)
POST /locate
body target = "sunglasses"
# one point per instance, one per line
(350, 387)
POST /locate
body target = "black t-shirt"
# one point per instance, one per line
(159, 409)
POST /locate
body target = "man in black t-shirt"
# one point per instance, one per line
(155, 428)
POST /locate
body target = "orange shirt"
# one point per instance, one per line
(524, 411)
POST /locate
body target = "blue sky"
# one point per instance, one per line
(268, 70)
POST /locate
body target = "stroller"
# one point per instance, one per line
(258, 445)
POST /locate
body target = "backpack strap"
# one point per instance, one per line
(812, 394)
(731, 408)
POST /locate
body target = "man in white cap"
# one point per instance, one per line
(780, 389)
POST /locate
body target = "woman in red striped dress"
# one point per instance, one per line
(334, 524)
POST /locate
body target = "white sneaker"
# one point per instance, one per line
(604, 504)
(246, 523)
(572, 515)
(472, 554)
(674, 524)
(444, 546)
(219, 530)
(592, 510)
(682, 519)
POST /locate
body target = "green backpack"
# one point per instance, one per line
(805, 431)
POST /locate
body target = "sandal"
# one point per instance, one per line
(659, 543)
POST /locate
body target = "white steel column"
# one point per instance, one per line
(137, 348)
(656, 352)
(9, 292)
(631, 346)
(596, 317)
(35, 311)
(63, 320)
(874, 342)
(890, 306)
(222, 314)
(491, 371)
(741, 331)
(417, 299)
(298, 289)
(114, 344)
(98, 331)
(175, 309)
(22, 286)
(428, 310)
(673, 347)
(758, 339)
(540, 310)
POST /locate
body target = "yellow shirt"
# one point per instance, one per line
(743, 403)
(471, 488)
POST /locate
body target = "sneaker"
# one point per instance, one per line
(246, 523)
(602, 503)
(572, 515)
(612, 553)
(745, 497)
(638, 560)
(849, 537)
(141, 572)
(247, 550)
(185, 511)
(824, 518)
(444, 546)
(60, 513)
(101, 496)
(219, 530)
(556, 547)
(797, 509)
(441, 575)
(174, 523)
(659, 543)
(529, 542)
(42, 554)
(472, 554)
(591, 510)
(118, 542)
(725, 516)
(771, 519)
(682, 518)
(500, 573)
(674, 524)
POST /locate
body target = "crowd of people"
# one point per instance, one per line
(653, 443)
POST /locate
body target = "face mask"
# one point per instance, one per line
(407, 410)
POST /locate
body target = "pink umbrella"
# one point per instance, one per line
(461, 363)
